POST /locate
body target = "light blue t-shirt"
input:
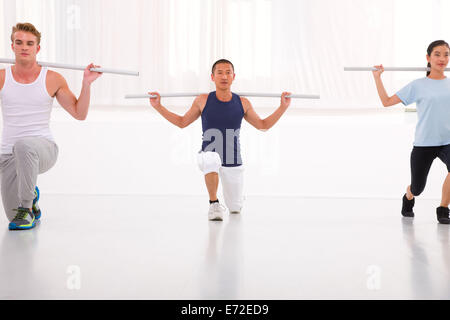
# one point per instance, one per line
(432, 98)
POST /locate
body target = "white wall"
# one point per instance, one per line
(323, 153)
(295, 45)
(300, 46)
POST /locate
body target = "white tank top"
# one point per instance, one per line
(26, 110)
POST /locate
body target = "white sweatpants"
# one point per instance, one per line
(232, 179)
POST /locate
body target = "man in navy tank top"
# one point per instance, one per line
(220, 157)
(28, 149)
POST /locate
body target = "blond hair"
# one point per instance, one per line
(26, 27)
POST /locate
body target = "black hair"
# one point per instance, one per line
(431, 47)
(221, 61)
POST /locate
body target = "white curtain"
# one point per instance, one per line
(296, 45)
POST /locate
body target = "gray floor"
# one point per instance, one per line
(135, 247)
(125, 214)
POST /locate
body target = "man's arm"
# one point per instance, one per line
(2, 78)
(77, 108)
(265, 124)
(180, 121)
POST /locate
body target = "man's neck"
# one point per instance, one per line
(26, 67)
(224, 95)
(26, 70)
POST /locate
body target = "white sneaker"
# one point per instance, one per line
(216, 212)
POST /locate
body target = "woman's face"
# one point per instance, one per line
(439, 58)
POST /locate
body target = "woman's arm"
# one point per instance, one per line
(385, 99)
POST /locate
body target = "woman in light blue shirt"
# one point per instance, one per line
(432, 139)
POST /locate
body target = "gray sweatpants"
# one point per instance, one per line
(31, 156)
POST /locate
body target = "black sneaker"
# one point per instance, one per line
(23, 220)
(443, 215)
(407, 208)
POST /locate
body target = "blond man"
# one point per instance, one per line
(28, 148)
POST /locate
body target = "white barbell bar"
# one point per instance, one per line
(75, 67)
(242, 94)
(425, 69)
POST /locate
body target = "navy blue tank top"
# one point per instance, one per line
(221, 123)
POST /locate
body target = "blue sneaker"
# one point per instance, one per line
(24, 220)
(35, 207)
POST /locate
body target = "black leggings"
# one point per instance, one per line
(421, 161)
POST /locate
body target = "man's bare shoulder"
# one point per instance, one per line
(200, 101)
(55, 77)
(203, 97)
(246, 104)
(245, 100)
(54, 82)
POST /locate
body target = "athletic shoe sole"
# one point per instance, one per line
(13, 226)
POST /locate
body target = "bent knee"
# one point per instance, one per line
(24, 146)
(209, 162)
